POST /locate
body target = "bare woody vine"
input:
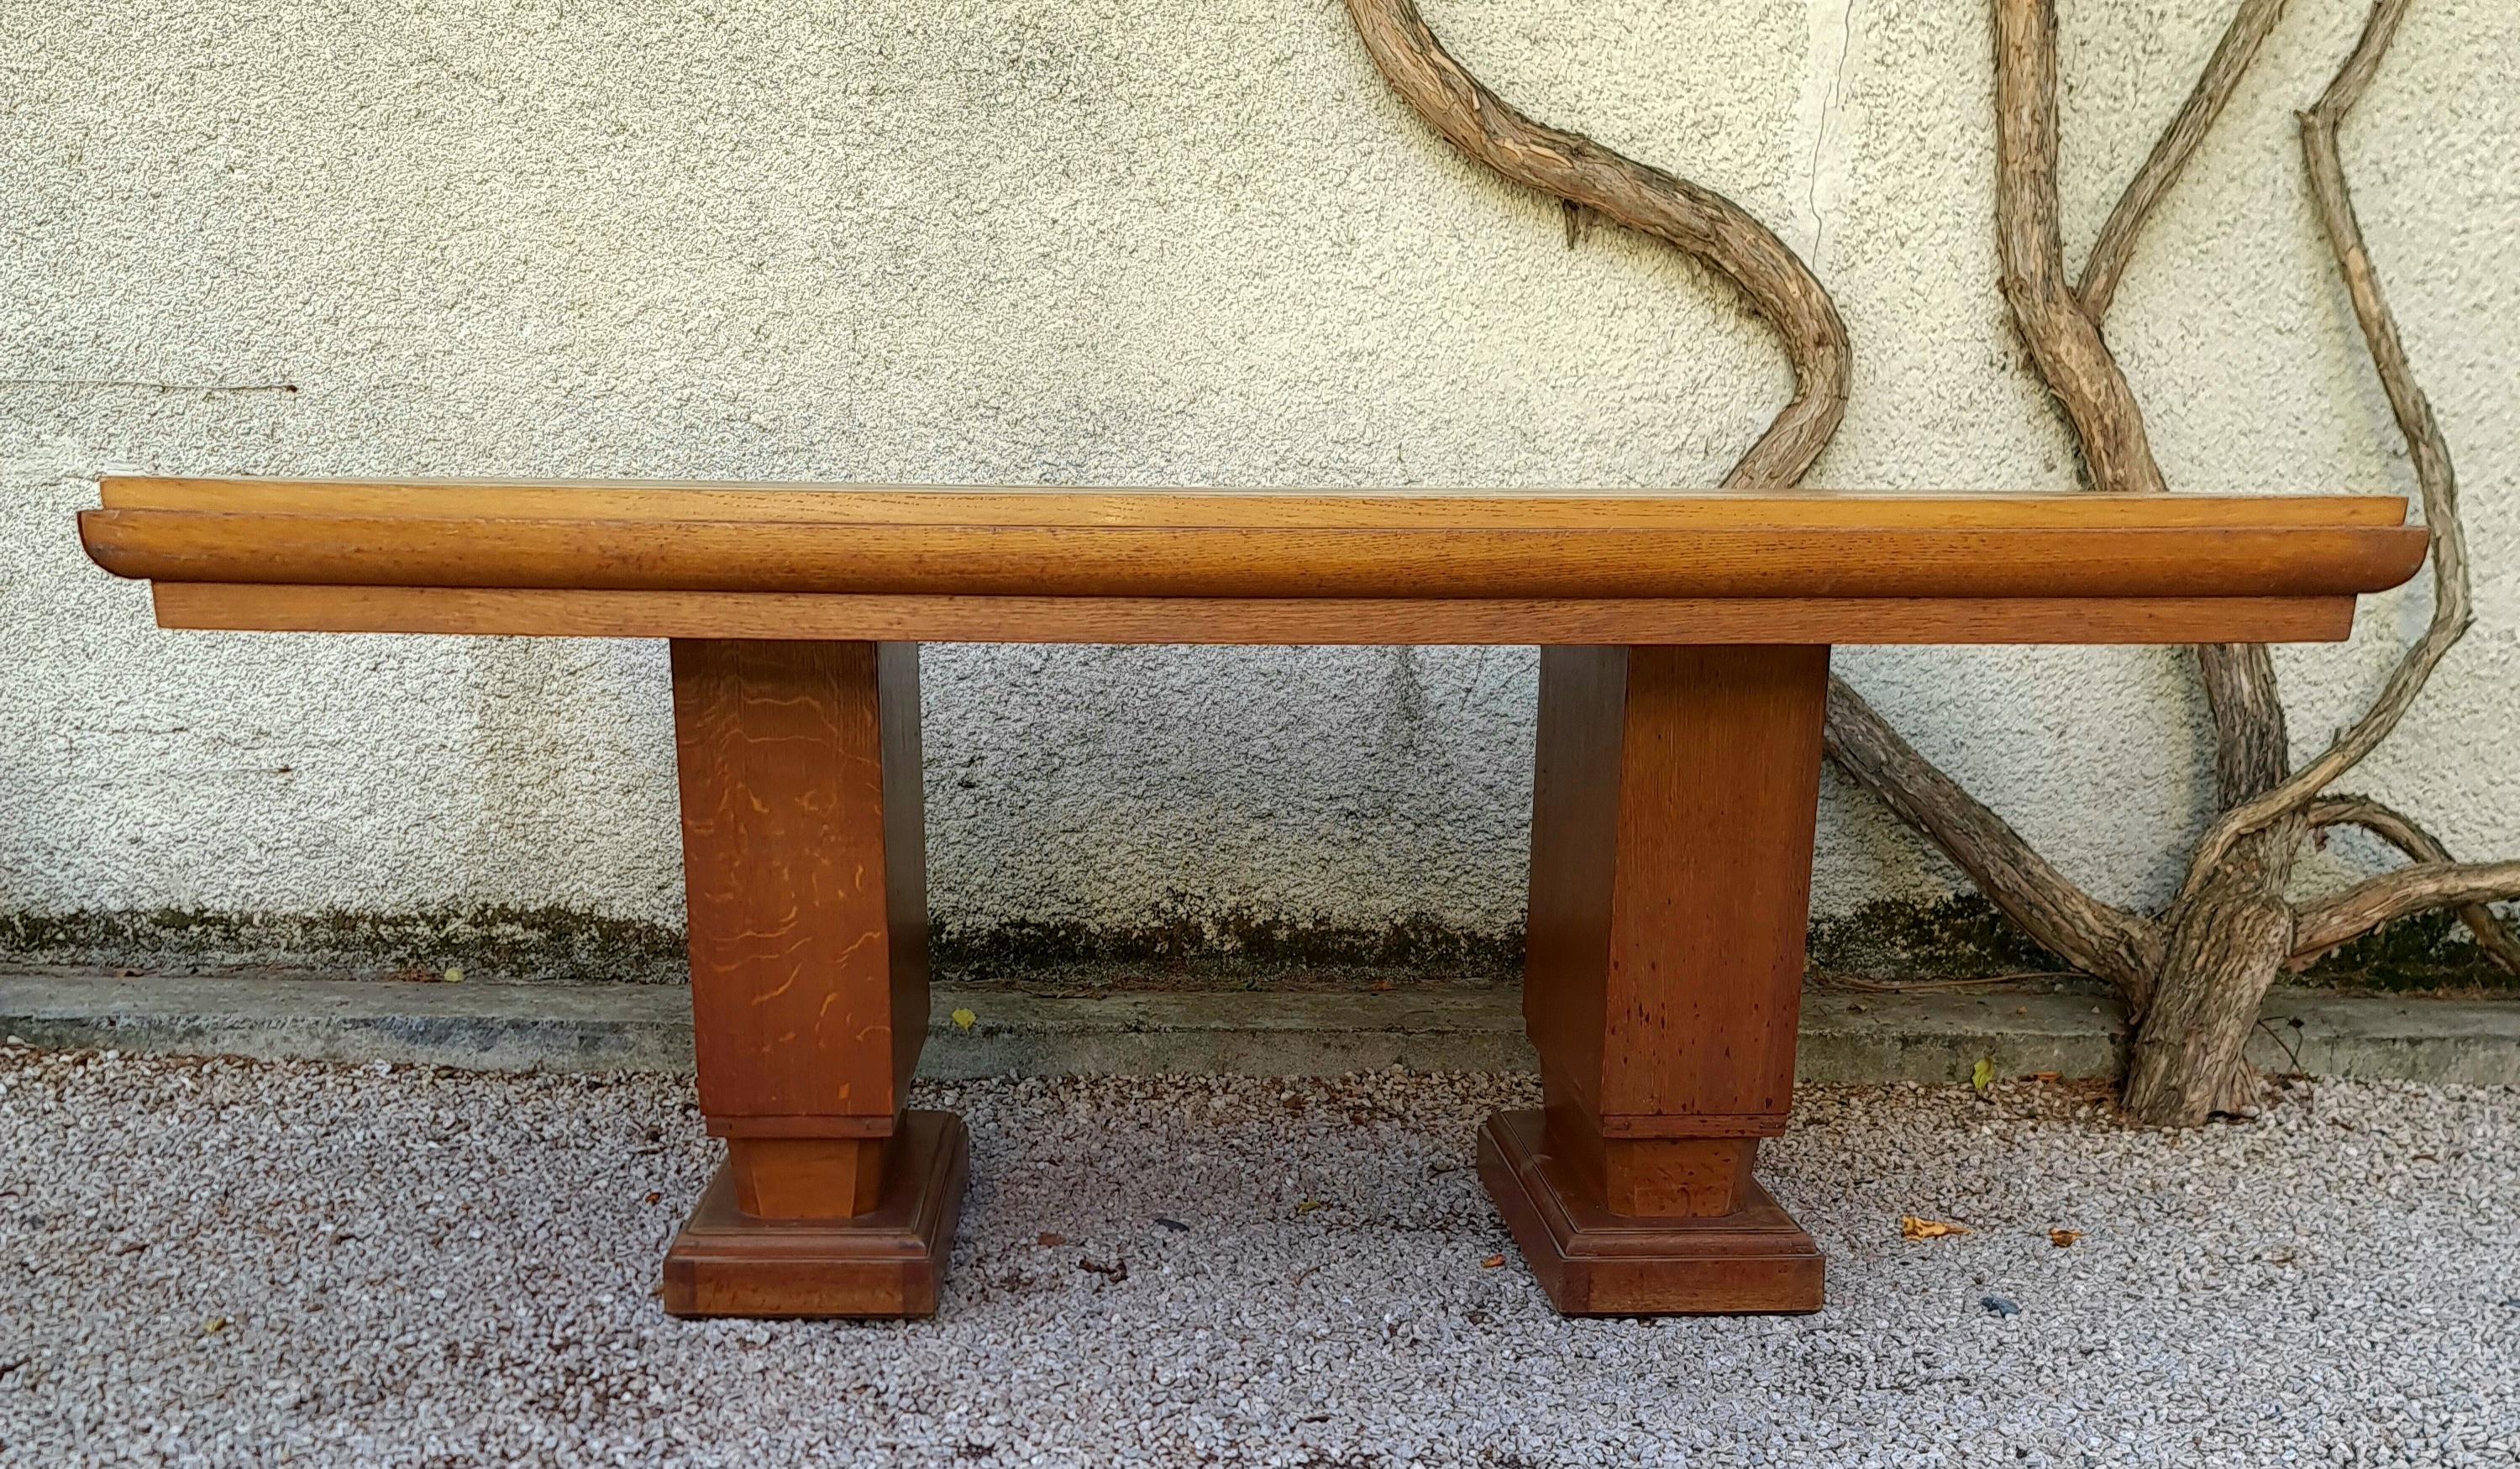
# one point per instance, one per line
(2195, 974)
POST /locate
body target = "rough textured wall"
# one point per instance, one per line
(1044, 241)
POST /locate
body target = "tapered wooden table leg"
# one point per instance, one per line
(803, 863)
(1671, 848)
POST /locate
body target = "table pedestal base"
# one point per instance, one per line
(886, 1262)
(1592, 1263)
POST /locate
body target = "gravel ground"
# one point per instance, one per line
(235, 1263)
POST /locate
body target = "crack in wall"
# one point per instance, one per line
(1832, 45)
(151, 386)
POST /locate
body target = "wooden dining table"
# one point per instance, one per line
(1684, 654)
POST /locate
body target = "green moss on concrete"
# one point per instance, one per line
(1180, 946)
(495, 943)
(1241, 945)
(1953, 938)
(568, 946)
(2427, 952)
(1964, 937)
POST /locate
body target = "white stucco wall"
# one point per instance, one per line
(1043, 240)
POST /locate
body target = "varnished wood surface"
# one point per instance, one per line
(1717, 809)
(1142, 620)
(1592, 1262)
(1740, 559)
(947, 505)
(1578, 757)
(1674, 803)
(886, 1262)
(803, 871)
(1674, 799)
(808, 1177)
(896, 564)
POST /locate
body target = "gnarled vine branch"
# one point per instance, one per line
(2107, 262)
(2436, 481)
(2391, 896)
(2196, 975)
(2063, 339)
(2400, 830)
(2102, 939)
(1641, 196)
(2118, 946)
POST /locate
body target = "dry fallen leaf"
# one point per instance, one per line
(2063, 1238)
(453, 975)
(215, 1325)
(966, 1019)
(1493, 1262)
(1308, 1206)
(2046, 1076)
(656, 1198)
(1913, 1227)
(1051, 1241)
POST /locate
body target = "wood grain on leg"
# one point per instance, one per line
(1672, 824)
(803, 869)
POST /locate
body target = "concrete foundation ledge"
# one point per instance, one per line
(1920, 1036)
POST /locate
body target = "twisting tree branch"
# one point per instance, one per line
(2106, 941)
(2436, 481)
(2420, 888)
(2075, 361)
(2400, 830)
(2060, 323)
(1705, 224)
(2062, 334)
(2063, 340)
(2216, 949)
(2178, 143)
(2110, 942)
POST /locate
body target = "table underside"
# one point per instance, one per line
(1278, 622)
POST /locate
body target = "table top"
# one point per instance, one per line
(938, 564)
